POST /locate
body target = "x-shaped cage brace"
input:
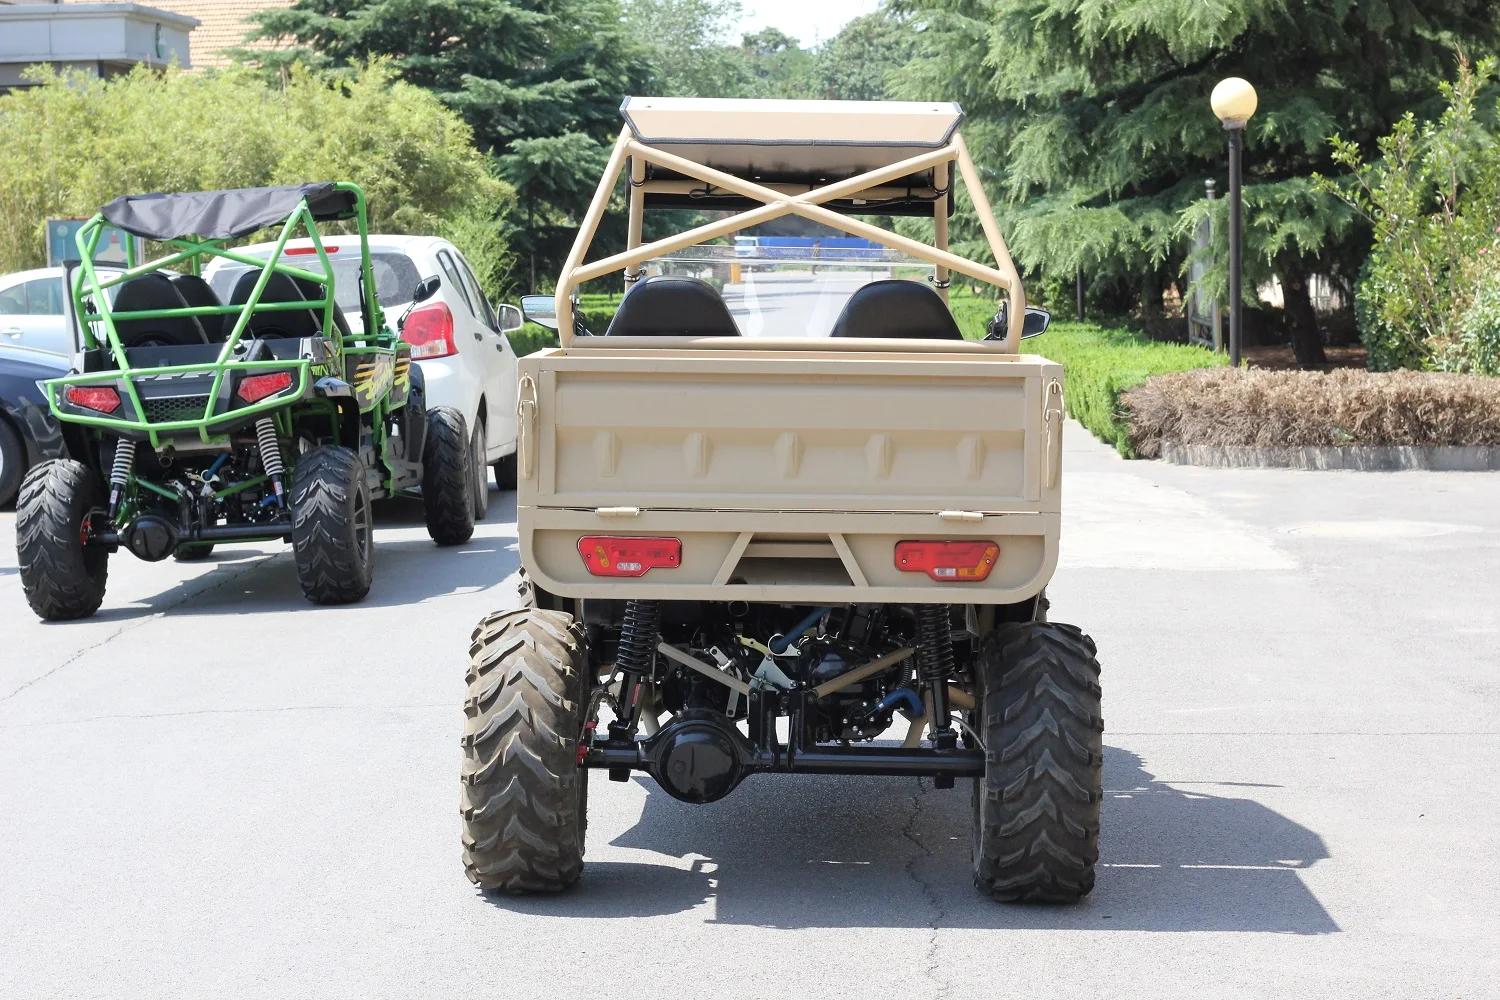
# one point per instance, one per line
(808, 205)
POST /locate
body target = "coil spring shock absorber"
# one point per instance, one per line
(642, 622)
(270, 455)
(119, 473)
(934, 666)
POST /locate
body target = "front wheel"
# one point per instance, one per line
(332, 536)
(447, 478)
(1036, 810)
(524, 797)
(61, 575)
(481, 473)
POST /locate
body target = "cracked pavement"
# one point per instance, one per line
(215, 789)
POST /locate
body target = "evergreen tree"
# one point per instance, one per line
(1092, 118)
(539, 81)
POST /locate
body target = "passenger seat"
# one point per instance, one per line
(666, 305)
(896, 308)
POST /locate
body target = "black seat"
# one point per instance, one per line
(312, 292)
(197, 294)
(669, 306)
(895, 307)
(270, 325)
(149, 292)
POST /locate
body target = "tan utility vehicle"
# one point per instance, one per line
(757, 529)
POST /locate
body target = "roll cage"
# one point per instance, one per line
(893, 153)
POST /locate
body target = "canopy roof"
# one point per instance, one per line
(790, 142)
(223, 214)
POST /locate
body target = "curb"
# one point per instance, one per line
(1359, 458)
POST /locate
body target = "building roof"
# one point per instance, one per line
(224, 25)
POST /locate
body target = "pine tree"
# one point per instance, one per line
(539, 81)
(1092, 118)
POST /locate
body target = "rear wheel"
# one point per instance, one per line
(61, 576)
(332, 536)
(524, 798)
(12, 462)
(1036, 810)
(194, 553)
(447, 478)
(481, 473)
(505, 472)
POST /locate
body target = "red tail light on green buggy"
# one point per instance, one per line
(615, 555)
(94, 397)
(948, 562)
(257, 387)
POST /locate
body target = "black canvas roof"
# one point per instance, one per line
(223, 214)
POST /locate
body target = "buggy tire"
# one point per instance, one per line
(193, 553)
(524, 798)
(332, 526)
(62, 578)
(447, 475)
(12, 462)
(481, 473)
(1036, 810)
(505, 473)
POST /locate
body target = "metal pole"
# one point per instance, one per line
(1236, 328)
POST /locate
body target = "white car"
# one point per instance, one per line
(458, 338)
(31, 311)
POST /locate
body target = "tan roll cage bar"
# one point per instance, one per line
(779, 200)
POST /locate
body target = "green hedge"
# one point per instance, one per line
(1100, 362)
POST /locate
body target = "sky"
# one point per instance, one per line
(808, 21)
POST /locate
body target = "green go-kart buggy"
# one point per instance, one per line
(193, 421)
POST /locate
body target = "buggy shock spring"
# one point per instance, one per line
(935, 665)
(638, 631)
(119, 472)
(270, 454)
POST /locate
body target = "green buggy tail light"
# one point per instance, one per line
(258, 387)
(94, 397)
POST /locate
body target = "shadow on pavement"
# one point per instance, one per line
(889, 852)
(407, 570)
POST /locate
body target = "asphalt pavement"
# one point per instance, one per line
(214, 789)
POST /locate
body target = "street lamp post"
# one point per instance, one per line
(1234, 101)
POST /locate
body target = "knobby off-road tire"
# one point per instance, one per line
(12, 462)
(61, 577)
(332, 527)
(1036, 810)
(524, 799)
(481, 473)
(447, 478)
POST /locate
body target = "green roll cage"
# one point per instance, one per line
(375, 338)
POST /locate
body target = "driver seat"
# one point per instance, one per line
(665, 305)
(896, 308)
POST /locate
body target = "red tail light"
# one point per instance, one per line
(258, 387)
(608, 555)
(94, 397)
(948, 562)
(429, 331)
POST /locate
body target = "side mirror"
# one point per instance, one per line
(510, 318)
(1034, 325)
(427, 288)
(540, 309)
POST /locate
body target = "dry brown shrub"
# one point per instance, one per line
(1221, 406)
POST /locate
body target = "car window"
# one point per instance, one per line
(13, 300)
(44, 297)
(446, 260)
(395, 278)
(472, 283)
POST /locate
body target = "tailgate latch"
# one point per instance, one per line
(1052, 414)
(526, 427)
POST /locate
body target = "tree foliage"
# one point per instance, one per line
(538, 81)
(1092, 118)
(75, 142)
(1427, 294)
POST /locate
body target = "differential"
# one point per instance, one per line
(698, 757)
(150, 537)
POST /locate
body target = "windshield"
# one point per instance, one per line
(395, 277)
(790, 286)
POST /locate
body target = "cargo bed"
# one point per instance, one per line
(790, 473)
